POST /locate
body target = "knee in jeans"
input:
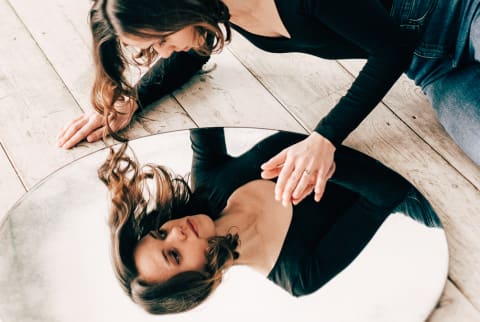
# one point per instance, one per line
(475, 39)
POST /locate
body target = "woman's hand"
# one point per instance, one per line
(301, 168)
(91, 125)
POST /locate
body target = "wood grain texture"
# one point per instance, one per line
(385, 136)
(64, 37)
(453, 306)
(61, 43)
(45, 80)
(34, 105)
(304, 84)
(229, 95)
(11, 187)
(407, 100)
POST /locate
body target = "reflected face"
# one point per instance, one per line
(182, 40)
(177, 246)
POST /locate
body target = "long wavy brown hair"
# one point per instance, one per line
(143, 198)
(147, 19)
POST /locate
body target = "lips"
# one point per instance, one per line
(193, 227)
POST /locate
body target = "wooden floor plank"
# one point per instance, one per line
(454, 307)
(34, 104)
(45, 81)
(288, 76)
(61, 43)
(64, 37)
(11, 187)
(412, 106)
(386, 137)
(218, 99)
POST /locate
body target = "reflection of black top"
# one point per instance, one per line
(332, 29)
(323, 238)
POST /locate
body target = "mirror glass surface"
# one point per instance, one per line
(55, 259)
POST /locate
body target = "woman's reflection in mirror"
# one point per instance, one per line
(172, 240)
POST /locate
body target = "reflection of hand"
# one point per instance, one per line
(91, 125)
(301, 168)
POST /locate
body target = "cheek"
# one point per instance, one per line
(207, 226)
(199, 260)
(188, 36)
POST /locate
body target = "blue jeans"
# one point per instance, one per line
(446, 63)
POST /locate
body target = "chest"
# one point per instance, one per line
(263, 19)
(265, 224)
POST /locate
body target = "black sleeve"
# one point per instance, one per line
(368, 25)
(166, 75)
(338, 247)
(379, 186)
(221, 174)
(380, 191)
(209, 154)
(212, 166)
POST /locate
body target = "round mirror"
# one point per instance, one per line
(55, 260)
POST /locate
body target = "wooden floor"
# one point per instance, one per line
(45, 78)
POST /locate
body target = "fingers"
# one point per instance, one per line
(298, 179)
(319, 187)
(301, 168)
(91, 125)
(308, 190)
(321, 182)
(275, 162)
(332, 169)
(64, 129)
(270, 174)
(96, 135)
(282, 181)
(65, 141)
(307, 180)
(78, 130)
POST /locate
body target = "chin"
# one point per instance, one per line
(206, 226)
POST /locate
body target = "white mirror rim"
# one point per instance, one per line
(55, 260)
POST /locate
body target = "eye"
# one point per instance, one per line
(162, 234)
(159, 234)
(158, 43)
(175, 255)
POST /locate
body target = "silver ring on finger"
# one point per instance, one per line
(306, 172)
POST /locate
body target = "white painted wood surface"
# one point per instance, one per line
(35, 103)
(218, 99)
(454, 307)
(64, 38)
(45, 76)
(11, 187)
(408, 102)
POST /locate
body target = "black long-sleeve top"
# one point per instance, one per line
(332, 29)
(324, 237)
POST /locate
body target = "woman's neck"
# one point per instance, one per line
(240, 9)
(259, 17)
(260, 221)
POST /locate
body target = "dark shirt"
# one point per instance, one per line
(332, 29)
(324, 237)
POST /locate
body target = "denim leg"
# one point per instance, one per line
(474, 38)
(456, 99)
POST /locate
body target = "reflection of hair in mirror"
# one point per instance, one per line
(109, 19)
(299, 248)
(130, 220)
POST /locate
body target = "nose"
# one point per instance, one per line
(164, 51)
(178, 233)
